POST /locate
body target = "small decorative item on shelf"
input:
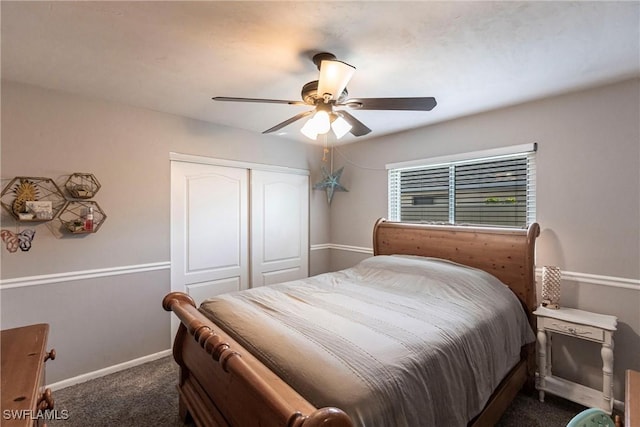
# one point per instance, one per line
(81, 217)
(32, 198)
(42, 210)
(25, 192)
(82, 185)
(88, 219)
(551, 287)
(75, 226)
(25, 216)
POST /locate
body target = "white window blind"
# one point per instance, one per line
(488, 190)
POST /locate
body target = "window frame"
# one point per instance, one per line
(524, 151)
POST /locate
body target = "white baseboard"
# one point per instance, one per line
(108, 370)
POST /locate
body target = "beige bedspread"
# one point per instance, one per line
(394, 341)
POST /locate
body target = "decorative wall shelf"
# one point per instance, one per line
(82, 185)
(32, 199)
(74, 217)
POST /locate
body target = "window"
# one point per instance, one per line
(493, 187)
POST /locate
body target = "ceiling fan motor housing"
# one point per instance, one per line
(310, 94)
(322, 56)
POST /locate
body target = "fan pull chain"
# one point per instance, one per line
(325, 150)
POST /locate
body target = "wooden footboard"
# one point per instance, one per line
(222, 384)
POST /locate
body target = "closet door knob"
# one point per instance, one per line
(51, 355)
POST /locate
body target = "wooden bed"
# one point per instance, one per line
(222, 384)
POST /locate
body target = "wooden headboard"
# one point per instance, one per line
(506, 253)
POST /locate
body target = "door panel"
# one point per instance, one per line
(279, 227)
(213, 218)
(209, 229)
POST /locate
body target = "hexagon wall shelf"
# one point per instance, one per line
(25, 193)
(73, 217)
(82, 185)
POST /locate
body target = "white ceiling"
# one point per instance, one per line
(174, 56)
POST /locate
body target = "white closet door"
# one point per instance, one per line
(279, 227)
(209, 230)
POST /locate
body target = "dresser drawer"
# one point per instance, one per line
(575, 329)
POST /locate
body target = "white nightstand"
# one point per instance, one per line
(582, 325)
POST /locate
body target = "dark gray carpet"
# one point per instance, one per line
(146, 395)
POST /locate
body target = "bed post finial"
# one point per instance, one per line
(533, 230)
(174, 297)
(324, 417)
(379, 222)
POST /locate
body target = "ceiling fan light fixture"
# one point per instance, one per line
(309, 130)
(340, 127)
(334, 76)
(322, 122)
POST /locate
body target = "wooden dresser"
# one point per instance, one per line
(23, 354)
(632, 399)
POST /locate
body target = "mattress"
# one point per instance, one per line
(393, 341)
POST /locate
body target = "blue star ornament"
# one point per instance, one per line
(330, 183)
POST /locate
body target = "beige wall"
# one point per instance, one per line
(588, 200)
(588, 208)
(104, 320)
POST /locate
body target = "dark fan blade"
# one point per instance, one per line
(289, 121)
(357, 127)
(414, 104)
(269, 101)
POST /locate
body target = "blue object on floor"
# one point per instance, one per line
(592, 417)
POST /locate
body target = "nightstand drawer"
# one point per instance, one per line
(568, 328)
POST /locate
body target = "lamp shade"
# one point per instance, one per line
(551, 277)
(309, 130)
(334, 76)
(340, 127)
(321, 122)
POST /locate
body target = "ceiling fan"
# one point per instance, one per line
(328, 95)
